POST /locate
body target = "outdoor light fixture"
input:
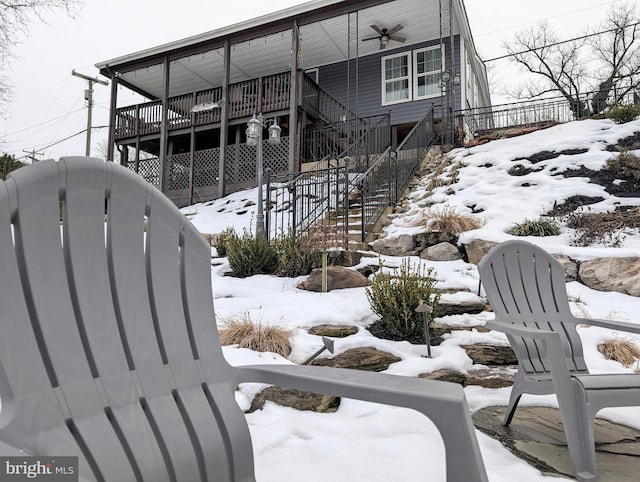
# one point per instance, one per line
(254, 137)
(425, 309)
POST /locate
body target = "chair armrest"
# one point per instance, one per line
(523, 331)
(611, 324)
(442, 402)
(7, 450)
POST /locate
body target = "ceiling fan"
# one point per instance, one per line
(384, 35)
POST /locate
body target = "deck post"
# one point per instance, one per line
(164, 127)
(294, 140)
(224, 122)
(111, 139)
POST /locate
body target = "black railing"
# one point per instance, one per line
(531, 113)
(295, 202)
(320, 195)
(382, 184)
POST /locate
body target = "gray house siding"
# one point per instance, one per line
(332, 78)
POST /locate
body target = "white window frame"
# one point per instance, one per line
(416, 76)
(408, 78)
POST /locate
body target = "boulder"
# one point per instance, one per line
(338, 277)
(333, 331)
(612, 274)
(367, 358)
(298, 399)
(396, 246)
(477, 249)
(424, 240)
(570, 267)
(492, 377)
(441, 252)
(445, 375)
(485, 354)
(438, 330)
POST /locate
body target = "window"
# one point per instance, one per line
(412, 75)
(396, 79)
(428, 64)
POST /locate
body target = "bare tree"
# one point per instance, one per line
(15, 16)
(605, 61)
(617, 56)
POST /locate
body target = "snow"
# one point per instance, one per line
(369, 442)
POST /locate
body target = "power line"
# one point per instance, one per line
(70, 137)
(44, 122)
(560, 43)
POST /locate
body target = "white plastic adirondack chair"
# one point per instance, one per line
(527, 291)
(109, 348)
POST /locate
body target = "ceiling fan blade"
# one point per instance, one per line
(377, 29)
(382, 46)
(395, 29)
(397, 39)
(370, 38)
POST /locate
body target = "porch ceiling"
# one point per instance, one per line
(197, 63)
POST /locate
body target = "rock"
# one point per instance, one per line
(298, 399)
(396, 246)
(570, 267)
(438, 330)
(445, 375)
(424, 240)
(485, 377)
(477, 249)
(338, 277)
(484, 354)
(333, 331)
(492, 377)
(441, 252)
(446, 308)
(612, 274)
(367, 358)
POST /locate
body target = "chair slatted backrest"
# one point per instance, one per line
(109, 348)
(527, 287)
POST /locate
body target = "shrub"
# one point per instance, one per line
(395, 298)
(626, 164)
(221, 241)
(297, 253)
(449, 220)
(249, 255)
(258, 336)
(623, 351)
(623, 113)
(535, 227)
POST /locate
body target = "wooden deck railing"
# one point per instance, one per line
(264, 94)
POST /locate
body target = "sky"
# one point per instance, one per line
(49, 113)
(360, 438)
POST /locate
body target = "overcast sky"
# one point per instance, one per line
(49, 103)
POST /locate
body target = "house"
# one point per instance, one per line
(327, 72)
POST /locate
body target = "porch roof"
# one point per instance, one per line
(262, 46)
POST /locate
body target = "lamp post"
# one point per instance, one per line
(254, 137)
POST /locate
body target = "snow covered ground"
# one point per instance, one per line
(369, 442)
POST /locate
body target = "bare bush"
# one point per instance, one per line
(622, 351)
(448, 220)
(257, 335)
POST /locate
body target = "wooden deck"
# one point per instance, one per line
(264, 94)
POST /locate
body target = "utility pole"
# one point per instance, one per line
(88, 95)
(32, 155)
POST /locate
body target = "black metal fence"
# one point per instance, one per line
(483, 120)
(384, 182)
(350, 196)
